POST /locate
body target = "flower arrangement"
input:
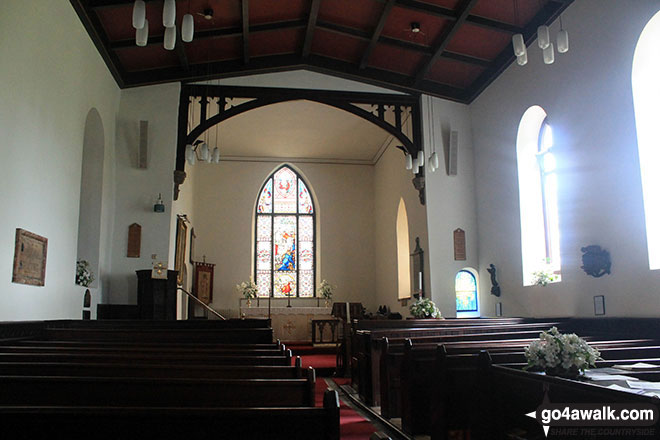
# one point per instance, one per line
(248, 289)
(84, 275)
(325, 290)
(543, 277)
(560, 354)
(424, 308)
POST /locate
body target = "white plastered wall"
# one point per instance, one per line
(52, 76)
(587, 96)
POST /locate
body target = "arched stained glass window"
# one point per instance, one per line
(466, 292)
(285, 240)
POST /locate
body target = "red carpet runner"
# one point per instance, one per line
(352, 425)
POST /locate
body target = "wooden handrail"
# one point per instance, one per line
(201, 303)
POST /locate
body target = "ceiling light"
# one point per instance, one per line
(142, 34)
(518, 44)
(187, 28)
(420, 158)
(409, 161)
(414, 27)
(543, 33)
(562, 41)
(207, 14)
(215, 157)
(170, 38)
(139, 14)
(549, 54)
(522, 59)
(169, 13)
(415, 166)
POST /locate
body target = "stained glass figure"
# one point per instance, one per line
(266, 198)
(466, 292)
(304, 199)
(285, 190)
(285, 240)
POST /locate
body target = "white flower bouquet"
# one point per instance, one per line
(248, 289)
(84, 275)
(424, 308)
(325, 290)
(560, 355)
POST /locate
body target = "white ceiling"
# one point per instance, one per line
(301, 130)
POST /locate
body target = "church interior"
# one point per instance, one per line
(289, 171)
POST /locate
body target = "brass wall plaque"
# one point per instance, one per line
(459, 244)
(30, 258)
(134, 241)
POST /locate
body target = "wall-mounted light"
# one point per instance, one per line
(159, 206)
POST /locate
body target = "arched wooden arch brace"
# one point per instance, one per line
(386, 112)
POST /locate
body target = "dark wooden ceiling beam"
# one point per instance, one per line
(450, 14)
(180, 49)
(219, 33)
(311, 27)
(445, 38)
(376, 34)
(92, 25)
(546, 15)
(282, 63)
(245, 19)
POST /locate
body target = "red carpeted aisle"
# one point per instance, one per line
(352, 425)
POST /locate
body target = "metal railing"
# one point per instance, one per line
(201, 303)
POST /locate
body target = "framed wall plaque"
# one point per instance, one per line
(134, 241)
(180, 253)
(204, 282)
(30, 258)
(599, 305)
(193, 236)
(459, 244)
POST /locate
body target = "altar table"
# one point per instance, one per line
(289, 323)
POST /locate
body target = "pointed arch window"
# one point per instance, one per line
(646, 95)
(285, 245)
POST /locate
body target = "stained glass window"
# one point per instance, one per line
(285, 242)
(466, 292)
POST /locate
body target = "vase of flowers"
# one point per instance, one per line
(249, 290)
(325, 291)
(543, 277)
(84, 275)
(563, 355)
(424, 308)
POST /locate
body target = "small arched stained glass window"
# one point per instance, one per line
(285, 239)
(466, 292)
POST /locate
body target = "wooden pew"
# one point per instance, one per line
(148, 358)
(106, 423)
(160, 324)
(153, 370)
(457, 381)
(239, 335)
(178, 351)
(366, 379)
(507, 394)
(156, 392)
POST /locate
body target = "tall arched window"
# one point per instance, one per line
(285, 239)
(466, 293)
(537, 183)
(646, 95)
(403, 251)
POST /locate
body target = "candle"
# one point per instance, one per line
(420, 281)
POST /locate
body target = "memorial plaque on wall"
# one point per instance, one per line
(30, 258)
(134, 241)
(459, 244)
